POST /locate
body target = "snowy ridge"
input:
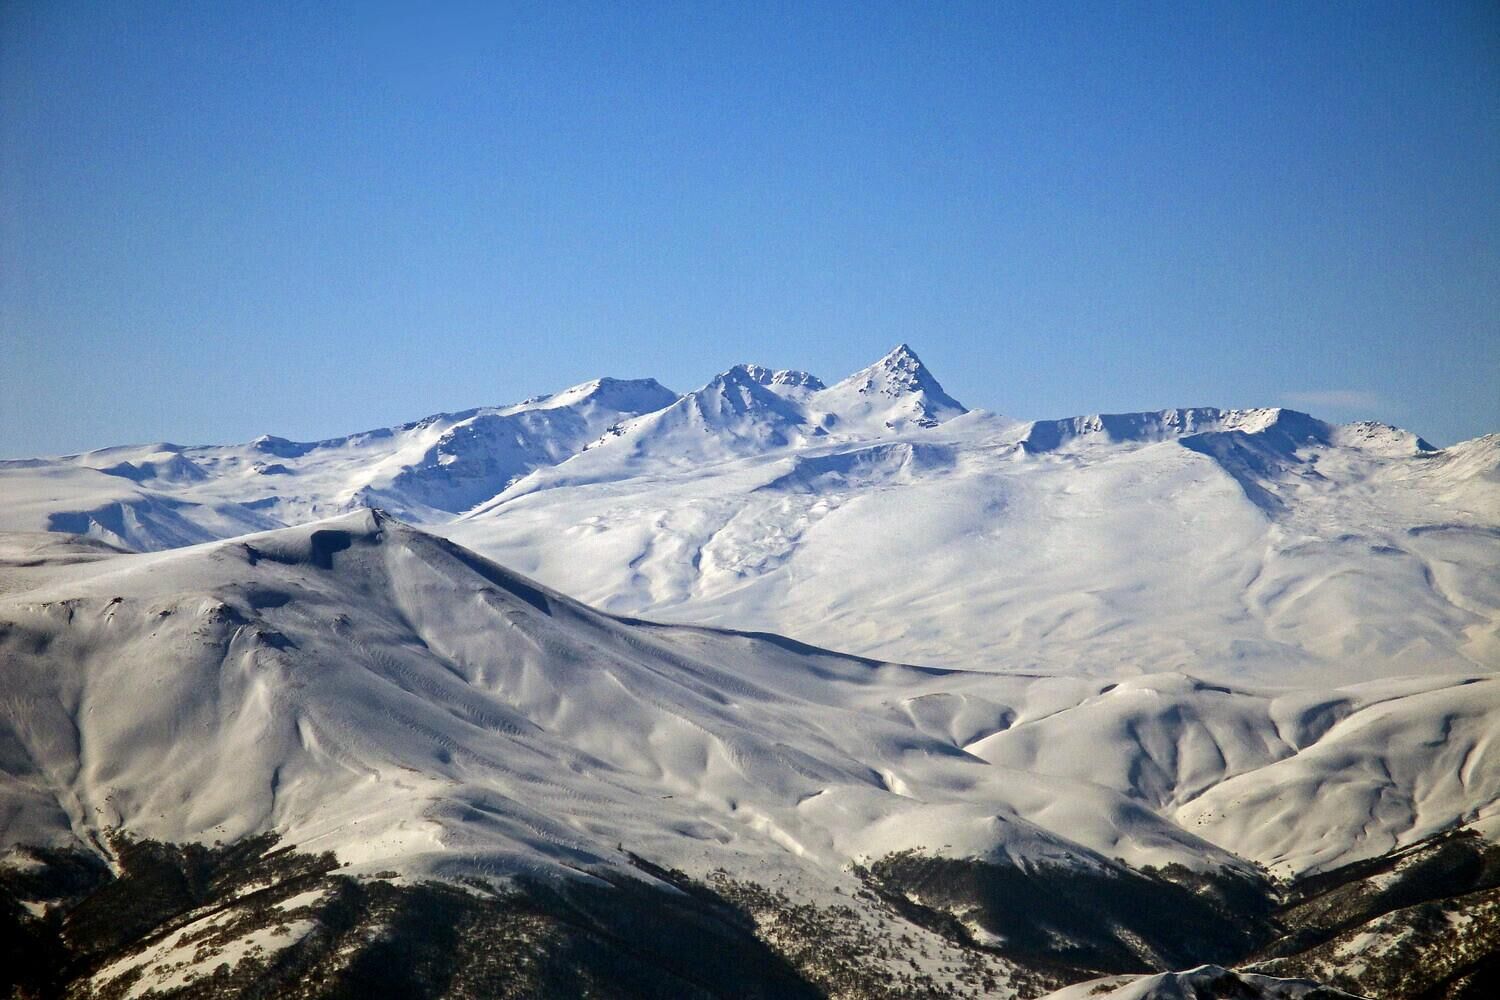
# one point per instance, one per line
(1050, 435)
(786, 381)
(165, 495)
(310, 662)
(1214, 644)
(738, 411)
(367, 688)
(358, 686)
(1259, 543)
(1226, 544)
(1283, 429)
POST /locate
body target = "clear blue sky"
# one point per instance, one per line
(218, 220)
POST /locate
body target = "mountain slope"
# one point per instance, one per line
(358, 687)
(367, 688)
(309, 662)
(1206, 981)
(877, 515)
(165, 496)
(1234, 544)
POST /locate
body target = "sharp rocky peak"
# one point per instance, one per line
(778, 377)
(901, 358)
(899, 374)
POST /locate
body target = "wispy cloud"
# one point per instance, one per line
(1335, 399)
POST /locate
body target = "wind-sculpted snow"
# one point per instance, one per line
(877, 515)
(1226, 554)
(164, 495)
(863, 468)
(371, 689)
(1197, 641)
(1277, 776)
(357, 686)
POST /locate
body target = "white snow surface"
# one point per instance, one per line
(367, 688)
(1196, 636)
(370, 689)
(1238, 545)
(878, 516)
(160, 496)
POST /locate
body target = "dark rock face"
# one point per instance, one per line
(1417, 924)
(363, 937)
(1422, 923)
(255, 919)
(1116, 921)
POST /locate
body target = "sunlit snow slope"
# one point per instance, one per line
(1241, 544)
(1195, 645)
(370, 689)
(159, 496)
(877, 515)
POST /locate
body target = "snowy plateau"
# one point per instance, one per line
(774, 688)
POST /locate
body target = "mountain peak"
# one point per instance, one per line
(901, 370)
(779, 379)
(901, 358)
(901, 377)
(635, 395)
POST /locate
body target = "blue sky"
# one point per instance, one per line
(218, 220)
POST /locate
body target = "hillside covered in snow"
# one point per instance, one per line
(879, 516)
(870, 694)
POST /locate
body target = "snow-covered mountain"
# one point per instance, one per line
(1197, 685)
(877, 515)
(164, 495)
(362, 688)
(750, 411)
(1235, 544)
(284, 643)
